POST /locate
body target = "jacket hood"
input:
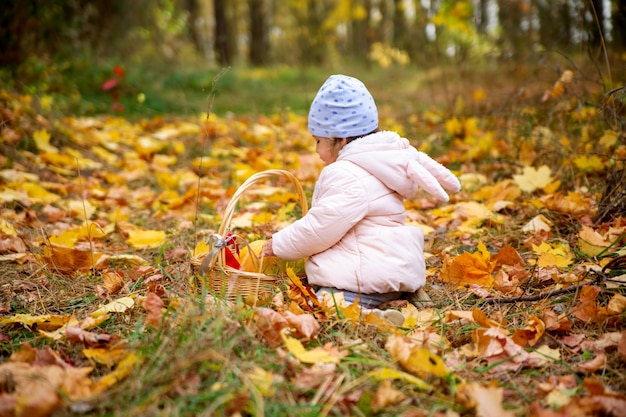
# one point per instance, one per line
(386, 156)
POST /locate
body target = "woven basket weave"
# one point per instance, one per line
(230, 283)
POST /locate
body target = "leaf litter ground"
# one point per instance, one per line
(103, 312)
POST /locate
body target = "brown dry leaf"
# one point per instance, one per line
(113, 281)
(481, 318)
(573, 203)
(556, 322)
(37, 389)
(386, 396)
(530, 335)
(12, 244)
(621, 347)
(68, 261)
(589, 311)
(314, 376)
(487, 400)
(305, 325)
(499, 350)
(270, 323)
(75, 334)
(153, 304)
(508, 279)
(610, 402)
(594, 364)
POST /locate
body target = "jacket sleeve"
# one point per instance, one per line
(432, 176)
(340, 203)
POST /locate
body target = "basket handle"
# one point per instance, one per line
(209, 261)
(230, 208)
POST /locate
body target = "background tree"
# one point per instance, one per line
(259, 41)
(223, 34)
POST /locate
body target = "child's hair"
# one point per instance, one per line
(335, 141)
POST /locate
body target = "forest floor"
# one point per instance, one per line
(105, 221)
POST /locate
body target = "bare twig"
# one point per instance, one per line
(211, 97)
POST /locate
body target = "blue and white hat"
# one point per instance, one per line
(342, 108)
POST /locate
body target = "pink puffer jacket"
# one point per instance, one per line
(354, 235)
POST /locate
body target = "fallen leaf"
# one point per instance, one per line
(145, 238)
(532, 178)
(488, 400)
(415, 359)
(153, 304)
(386, 396)
(326, 354)
(117, 306)
(389, 373)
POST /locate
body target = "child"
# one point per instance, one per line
(354, 236)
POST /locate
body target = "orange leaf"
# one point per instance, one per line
(153, 304)
(469, 268)
(531, 334)
(587, 308)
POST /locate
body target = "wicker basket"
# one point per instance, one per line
(230, 283)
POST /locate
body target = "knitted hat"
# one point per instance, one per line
(342, 108)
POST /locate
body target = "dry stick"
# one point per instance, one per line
(211, 97)
(603, 43)
(542, 295)
(91, 249)
(535, 297)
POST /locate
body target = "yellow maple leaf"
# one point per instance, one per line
(116, 306)
(262, 381)
(589, 163)
(42, 141)
(104, 356)
(390, 373)
(315, 355)
(609, 139)
(145, 238)
(43, 322)
(532, 178)
(68, 238)
(7, 228)
(122, 370)
(558, 255)
(415, 359)
(38, 194)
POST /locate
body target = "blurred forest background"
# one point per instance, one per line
(167, 55)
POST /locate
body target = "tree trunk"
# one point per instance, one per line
(510, 17)
(223, 47)
(259, 45)
(360, 39)
(193, 15)
(594, 26)
(618, 17)
(483, 17)
(399, 25)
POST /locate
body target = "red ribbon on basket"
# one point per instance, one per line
(230, 259)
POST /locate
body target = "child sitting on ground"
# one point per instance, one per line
(354, 236)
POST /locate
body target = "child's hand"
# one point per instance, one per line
(267, 249)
